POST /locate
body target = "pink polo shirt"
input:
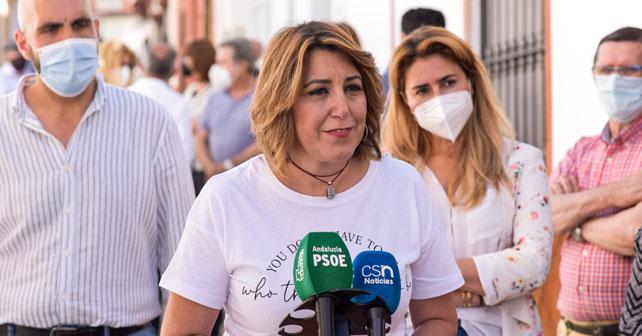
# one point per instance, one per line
(594, 280)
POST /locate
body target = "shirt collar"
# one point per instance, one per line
(629, 133)
(249, 95)
(19, 104)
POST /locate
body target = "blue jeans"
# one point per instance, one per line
(460, 330)
(147, 331)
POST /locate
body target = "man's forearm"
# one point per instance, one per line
(615, 233)
(202, 152)
(571, 210)
(248, 153)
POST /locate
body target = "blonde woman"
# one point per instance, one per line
(490, 191)
(117, 63)
(316, 115)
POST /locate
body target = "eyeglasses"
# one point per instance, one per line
(625, 70)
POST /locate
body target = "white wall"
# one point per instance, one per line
(260, 19)
(378, 34)
(577, 26)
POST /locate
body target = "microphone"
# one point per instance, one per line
(377, 272)
(322, 263)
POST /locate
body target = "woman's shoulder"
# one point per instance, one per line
(242, 178)
(520, 151)
(391, 165)
(397, 173)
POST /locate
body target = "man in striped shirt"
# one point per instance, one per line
(597, 195)
(94, 187)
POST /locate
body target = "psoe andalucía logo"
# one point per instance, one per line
(300, 273)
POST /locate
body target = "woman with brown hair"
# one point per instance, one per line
(316, 115)
(491, 192)
(198, 58)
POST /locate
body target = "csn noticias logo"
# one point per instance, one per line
(377, 274)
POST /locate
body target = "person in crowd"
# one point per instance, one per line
(224, 139)
(13, 67)
(198, 59)
(144, 28)
(596, 195)
(94, 187)
(258, 51)
(631, 320)
(490, 191)
(316, 114)
(411, 20)
(117, 63)
(161, 59)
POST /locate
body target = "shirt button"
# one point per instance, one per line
(63, 296)
(67, 168)
(585, 253)
(580, 289)
(609, 160)
(66, 253)
(68, 210)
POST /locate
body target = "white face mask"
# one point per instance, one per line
(220, 78)
(125, 74)
(445, 115)
(620, 96)
(67, 67)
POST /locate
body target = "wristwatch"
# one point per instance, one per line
(577, 235)
(228, 164)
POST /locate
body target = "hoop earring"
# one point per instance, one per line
(365, 134)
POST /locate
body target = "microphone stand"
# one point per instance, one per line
(336, 314)
(341, 325)
(324, 307)
(376, 321)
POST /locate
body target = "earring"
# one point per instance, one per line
(365, 134)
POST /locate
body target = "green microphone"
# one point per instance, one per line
(322, 263)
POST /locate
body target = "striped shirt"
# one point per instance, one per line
(84, 230)
(594, 280)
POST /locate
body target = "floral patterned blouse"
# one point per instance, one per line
(510, 237)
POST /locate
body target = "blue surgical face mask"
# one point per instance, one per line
(620, 96)
(67, 67)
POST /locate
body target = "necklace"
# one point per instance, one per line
(329, 193)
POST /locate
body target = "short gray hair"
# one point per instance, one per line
(243, 51)
(160, 60)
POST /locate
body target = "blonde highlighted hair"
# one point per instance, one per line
(110, 60)
(280, 84)
(483, 135)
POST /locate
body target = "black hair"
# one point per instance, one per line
(11, 46)
(162, 66)
(625, 34)
(418, 17)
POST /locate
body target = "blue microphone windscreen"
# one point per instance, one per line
(378, 273)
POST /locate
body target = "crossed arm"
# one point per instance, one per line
(572, 208)
(212, 168)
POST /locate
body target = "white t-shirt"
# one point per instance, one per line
(241, 235)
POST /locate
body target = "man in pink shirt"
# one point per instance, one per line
(596, 195)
